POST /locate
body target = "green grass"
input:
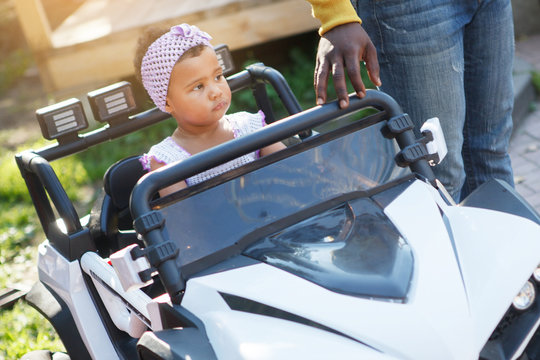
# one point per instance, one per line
(22, 329)
(13, 67)
(536, 81)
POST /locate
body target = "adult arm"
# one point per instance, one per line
(343, 44)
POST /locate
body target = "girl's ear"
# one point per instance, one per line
(167, 106)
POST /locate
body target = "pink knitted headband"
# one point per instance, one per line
(162, 55)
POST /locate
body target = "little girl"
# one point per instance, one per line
(181, 73)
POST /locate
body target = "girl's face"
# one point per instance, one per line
(198, 94)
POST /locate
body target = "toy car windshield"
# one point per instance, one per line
(291, 207)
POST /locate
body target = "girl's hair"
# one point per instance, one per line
(193, 52)
(149, 35)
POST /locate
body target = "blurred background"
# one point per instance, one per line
(51, 50)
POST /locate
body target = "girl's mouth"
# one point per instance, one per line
(220, 105)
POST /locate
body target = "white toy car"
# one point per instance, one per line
(341, 246)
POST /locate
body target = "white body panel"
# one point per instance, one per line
(114, 296)
(467, 269)
(461, 288)
(65, 278)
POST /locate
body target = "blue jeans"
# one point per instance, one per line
(451, 59)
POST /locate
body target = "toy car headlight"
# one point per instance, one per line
(536, 274)
(62, 121)
(352, 249)
(525, 298)
(224, 59)
(112, 103)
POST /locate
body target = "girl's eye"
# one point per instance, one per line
(219, 77)
(198, 87)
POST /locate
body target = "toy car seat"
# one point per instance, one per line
(110, 219)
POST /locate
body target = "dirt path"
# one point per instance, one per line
(18, 122)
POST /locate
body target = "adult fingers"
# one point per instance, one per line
(372, 64)
(352, 64)
(320, 78)
(340, 82)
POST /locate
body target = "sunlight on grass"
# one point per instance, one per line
(23, 329)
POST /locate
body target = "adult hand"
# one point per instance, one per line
(342, 48)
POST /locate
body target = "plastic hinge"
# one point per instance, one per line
(397, 125)
(146, 275)
(411, 154)
(433, 138)
(148, 222)
(156, 254)
(128, 268)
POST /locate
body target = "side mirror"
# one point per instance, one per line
(434, 140)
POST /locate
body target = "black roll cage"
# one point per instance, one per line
(46, 190)
(48, 194)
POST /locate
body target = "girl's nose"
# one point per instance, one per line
(215, 91)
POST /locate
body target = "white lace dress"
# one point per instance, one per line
(168, 151)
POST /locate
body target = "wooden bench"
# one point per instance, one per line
(95, 45)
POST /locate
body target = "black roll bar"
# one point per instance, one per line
(42, 184)
(259, 72)
(251, 77)
(37, 170)
(47, 192)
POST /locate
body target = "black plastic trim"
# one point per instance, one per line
(509, 334)
(239, 303)
(231, 263)
(56, 311)
(497, 195)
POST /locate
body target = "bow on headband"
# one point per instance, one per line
(189, 31)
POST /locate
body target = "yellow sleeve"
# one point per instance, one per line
(332, 13)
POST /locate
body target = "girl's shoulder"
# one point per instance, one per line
(164, 152)
(245, 123)
(168, 145)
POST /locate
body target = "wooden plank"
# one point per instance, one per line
(261, 24)
(106, 59)
(34, 24)
(99, 18)
(93, 64)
